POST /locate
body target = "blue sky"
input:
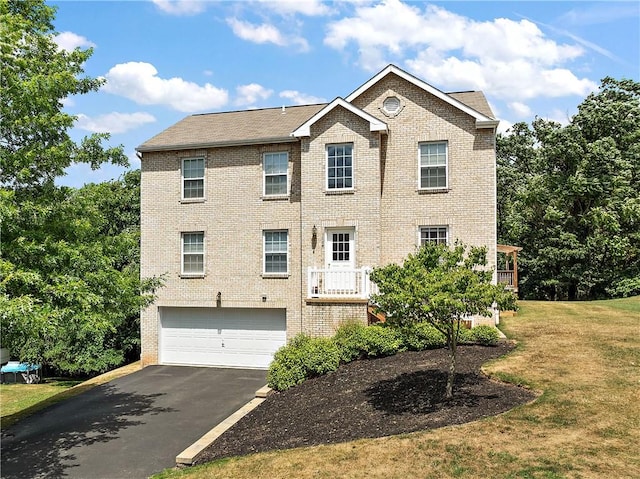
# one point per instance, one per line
(166, 59)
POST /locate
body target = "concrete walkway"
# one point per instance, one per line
(131, 427)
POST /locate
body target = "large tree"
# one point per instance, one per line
(440, 286)
(570, 196)
(70, 291)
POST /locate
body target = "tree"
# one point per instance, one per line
(440, 286)
(35, 146)
(570, 195)
(70, 291)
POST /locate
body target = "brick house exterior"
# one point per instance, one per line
(265, 222)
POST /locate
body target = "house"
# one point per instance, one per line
(266, 223)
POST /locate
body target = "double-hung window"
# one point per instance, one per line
(433, 165)
(192, 178)
(276, 178)
(276, 252)
(340, 167)
(434, 234)
(193, 254)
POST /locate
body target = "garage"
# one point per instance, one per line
(224, 337)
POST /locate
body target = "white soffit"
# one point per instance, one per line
(482, 121)
(374, 123)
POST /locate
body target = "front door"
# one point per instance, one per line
(340, 260)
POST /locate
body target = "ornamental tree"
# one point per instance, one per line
(441, 286)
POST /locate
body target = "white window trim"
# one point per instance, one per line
(326, 167)
(423, 227)
(204, 179)
(446, 166)
(204, 255)
(279, 274)
(264, 176)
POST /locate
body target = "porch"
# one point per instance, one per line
(340, 283)
(509, 274)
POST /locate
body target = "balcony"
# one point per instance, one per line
(340, 284)
(509, 275)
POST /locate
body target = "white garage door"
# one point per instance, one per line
(227, 337)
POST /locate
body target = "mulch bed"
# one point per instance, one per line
(373, 398)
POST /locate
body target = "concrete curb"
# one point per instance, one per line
(191, 454)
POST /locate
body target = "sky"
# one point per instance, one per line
(163, 60)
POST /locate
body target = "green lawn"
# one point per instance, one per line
(583, 358)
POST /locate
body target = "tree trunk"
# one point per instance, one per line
(452, 366)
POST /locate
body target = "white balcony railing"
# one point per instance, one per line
(346, 283)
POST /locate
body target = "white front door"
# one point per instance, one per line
(340, 260)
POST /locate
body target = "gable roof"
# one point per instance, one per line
(374, 123)
(482, 120)
(269, 125)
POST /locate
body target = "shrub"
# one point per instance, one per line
(349, 339)
(381, 341)
(465, 336)
(302, 358)
(485, 335)
(421, 336)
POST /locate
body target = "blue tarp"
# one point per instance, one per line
(15, 367)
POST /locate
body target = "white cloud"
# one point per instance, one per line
(181, 7)
(511, 60)
(70, 41)
(265, 33)
(139, 81)
(504, 126)
(114, 123)
(249, 94)
(520, 109)
(298, 98)
(304, 7)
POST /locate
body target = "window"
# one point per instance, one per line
(192, 178)
(434, 234)
(433, 165)
(275, 166)
(339, 167)
(276, 246)
(193, 254)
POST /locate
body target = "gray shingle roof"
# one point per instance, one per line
(475, 100)
(232, 128)
(269, 125)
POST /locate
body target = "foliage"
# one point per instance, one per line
(70, 291)
(35, 146)
(349, 339)
(302, 358)
(440, 286)
(381, 341)
(422, 336)
(485, 335)
(570, 195)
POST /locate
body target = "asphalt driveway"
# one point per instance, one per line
(131, 427)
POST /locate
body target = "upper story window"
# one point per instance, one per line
(192, 178)
(276, 252)
(434, 234)
(276, 178)
(192, 254)
(433, 165)
(340, 166)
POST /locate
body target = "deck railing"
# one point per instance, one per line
(507, 277)
(346, 283)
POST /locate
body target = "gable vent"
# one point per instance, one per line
(391, 105)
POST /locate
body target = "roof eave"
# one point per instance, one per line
(481, 124)
(217, 144)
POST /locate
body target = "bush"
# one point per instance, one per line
(465, 336)
(485, 335)
(302, 358)
(349, 339)
(421, 336)
(381, 341)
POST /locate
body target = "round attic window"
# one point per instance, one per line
(391, 105)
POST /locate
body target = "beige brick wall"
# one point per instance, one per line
(385, 209)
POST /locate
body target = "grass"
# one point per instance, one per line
(584, 358)
(18, 401)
